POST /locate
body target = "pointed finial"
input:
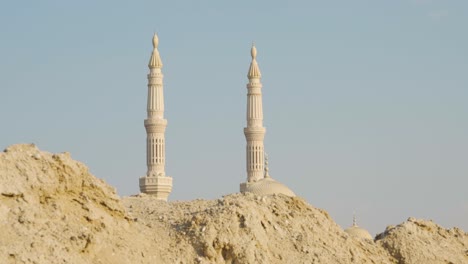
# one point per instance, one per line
(254, 71)
(354, 219)
(267, 174)
(155, 60)
(253, 51)
(155, 41)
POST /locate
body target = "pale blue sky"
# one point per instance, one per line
(364, 101)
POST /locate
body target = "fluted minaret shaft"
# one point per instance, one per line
(155, 123)
(254, 132)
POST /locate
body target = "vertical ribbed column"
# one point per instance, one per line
(155, 154)
(155, 105)
(155, 124)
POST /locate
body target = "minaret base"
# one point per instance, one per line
(159, 186)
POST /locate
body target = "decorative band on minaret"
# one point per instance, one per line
(155, 182)
(254, 132)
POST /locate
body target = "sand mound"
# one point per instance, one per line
(52, 210)
(244, 228)
(419, 241)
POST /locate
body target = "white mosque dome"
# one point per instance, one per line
(358, 232)
(268, 186)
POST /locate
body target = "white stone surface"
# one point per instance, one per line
(155, 182)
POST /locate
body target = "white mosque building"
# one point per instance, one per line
(259, 181)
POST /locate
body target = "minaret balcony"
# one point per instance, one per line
(155, 125)
(255, 133)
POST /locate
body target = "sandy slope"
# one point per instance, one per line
(52, 210)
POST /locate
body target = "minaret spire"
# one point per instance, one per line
(155, 182)
(354, 219)
(254, 70)
(155, 60)
(254, 132)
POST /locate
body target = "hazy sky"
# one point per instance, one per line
(365, 102)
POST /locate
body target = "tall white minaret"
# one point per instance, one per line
(259, 181)
(254, 132)
(155, 182)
